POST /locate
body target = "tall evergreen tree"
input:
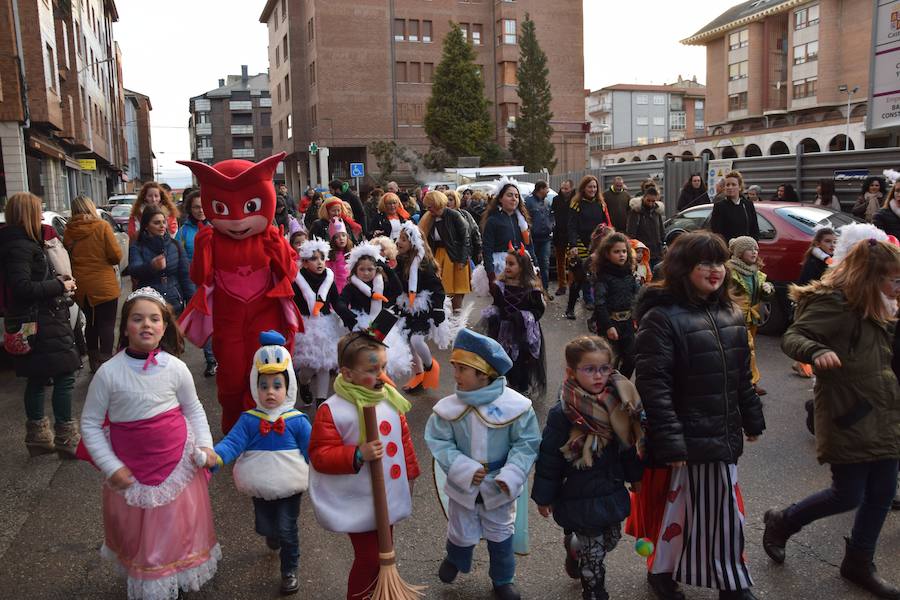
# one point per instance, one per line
(457, 119)
(531, 144)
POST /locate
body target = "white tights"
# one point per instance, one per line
(317, 380)
(421, 352)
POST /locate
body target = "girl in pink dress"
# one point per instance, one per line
(341, 244)
(145, 429)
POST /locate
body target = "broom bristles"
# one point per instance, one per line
(390, 586)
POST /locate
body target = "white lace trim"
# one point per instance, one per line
(166, 588)
(139, 495)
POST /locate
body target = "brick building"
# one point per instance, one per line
(345, 74)
(61, 100)
(137, 138)
(233, 120)
(625, 115)
(779, 77)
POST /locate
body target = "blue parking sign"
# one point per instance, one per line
(357, 170)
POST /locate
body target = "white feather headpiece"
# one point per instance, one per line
(313, 245)
(891, 175)
(503, 181)
(414, 234)
(367, 249)
(850, 235)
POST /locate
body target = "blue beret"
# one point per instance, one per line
(487, 348)
(271, 338)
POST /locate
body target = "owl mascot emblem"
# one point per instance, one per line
(243, 268)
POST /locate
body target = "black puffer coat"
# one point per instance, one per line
(615, 291)
(32, 284)
(887, 221)
(583, 500)
(693, 375)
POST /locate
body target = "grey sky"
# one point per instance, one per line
(175, 49)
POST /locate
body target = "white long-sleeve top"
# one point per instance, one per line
(124, 391)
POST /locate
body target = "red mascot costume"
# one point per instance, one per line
(243, 268)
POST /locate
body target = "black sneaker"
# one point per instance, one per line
(507, 591)
(289, 583)
(569, 315)
(447, 571)
(273, 543)
(664, 586)
(561, 291)
(211, 369)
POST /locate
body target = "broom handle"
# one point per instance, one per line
(379, 497)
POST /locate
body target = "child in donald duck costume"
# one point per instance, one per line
(485, 439)
(270, 446)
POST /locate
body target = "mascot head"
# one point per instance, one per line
(238, 195)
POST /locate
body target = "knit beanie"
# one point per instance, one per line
(739, 245)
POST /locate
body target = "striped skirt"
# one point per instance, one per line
(701, 539)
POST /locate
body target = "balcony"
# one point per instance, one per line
(203, 129)
(265, 103)
(240, 105)
(242, 130)
(201, 105)
(243, 153)
(599, 107)
(204, 153)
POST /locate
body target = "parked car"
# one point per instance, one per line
(785, 231)
(120, 214)
(128, 199)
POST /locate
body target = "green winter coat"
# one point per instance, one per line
(858, 405)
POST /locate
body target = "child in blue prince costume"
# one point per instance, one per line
(485, 438)
(269, 444)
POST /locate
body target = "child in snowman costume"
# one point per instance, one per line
(269, 444)
(485, 437)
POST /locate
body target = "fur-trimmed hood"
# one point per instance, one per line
(636, 204)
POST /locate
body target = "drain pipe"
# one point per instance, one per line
(23, 85)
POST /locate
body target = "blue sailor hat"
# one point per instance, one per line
(480, 352)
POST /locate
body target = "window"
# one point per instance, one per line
(314, 116)
(279, 93)
(283, 10)
(412, 31)
(312, 73)
(280, 131)
(399, 30)
(290, 127)
(737, 101)
(65, 39)
(277, 55)
(805, 88)
(806, 52)
(642, 121)
(426, 32)
(677, 121)
(738, 70)
(739, 39)
(464, 28)
(51, 69)
(659, 121)
(676, 103)
(659, 100)
(427, 72)
(400, 72)
(265, 119)
(806, 16)
(310, 30)
(641, 141)
(508, 73)
(698, 104)
(658, 140)
(508, 113)
(476, 33)
(284, 48)
(204, 142)
(507, 32)
(641, 99)
(287, 87)
(275, 16)
(83, 102)
(78, 39)
(415, 72)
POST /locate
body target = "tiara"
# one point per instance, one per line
(146, 292)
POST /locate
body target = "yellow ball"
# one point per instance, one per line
(643, 547)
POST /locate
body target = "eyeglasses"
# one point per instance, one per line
(710, 266)
(593, 370)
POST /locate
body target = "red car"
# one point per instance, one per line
(785, 232)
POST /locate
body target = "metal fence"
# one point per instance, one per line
(803, 171)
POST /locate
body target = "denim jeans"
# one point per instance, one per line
(61, 398)
(208, 352)
(502, 567)
(278, 519)
(542, 251)
(869, 486)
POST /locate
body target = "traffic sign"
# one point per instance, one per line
(357, 170)
(313, 148)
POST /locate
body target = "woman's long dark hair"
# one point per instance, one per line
(689, 187)
(493, 205)
(868, 182)
(172, 340)
(147, 216)
(689, 250)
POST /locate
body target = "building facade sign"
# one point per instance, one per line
(884, 108)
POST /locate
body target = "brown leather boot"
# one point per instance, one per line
(39, 437)
(858, 567)
(66, 438)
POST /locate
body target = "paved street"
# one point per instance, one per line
(50, 523)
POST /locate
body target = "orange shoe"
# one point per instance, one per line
(802, 369)
(414, 382)
(432, 376)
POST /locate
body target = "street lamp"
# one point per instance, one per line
(846, 89)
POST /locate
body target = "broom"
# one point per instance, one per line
(389, 585)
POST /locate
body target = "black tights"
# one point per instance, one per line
(100, 326)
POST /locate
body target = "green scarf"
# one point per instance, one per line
(362, 397)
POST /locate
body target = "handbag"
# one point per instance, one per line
(16, 334)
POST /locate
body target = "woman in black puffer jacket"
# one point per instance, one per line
(693, 375)
(158, 261)
(35, 294)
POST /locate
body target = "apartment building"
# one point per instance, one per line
(782, 75)
(138, 139)
(61, 100)
(233, 120)
(346, 74)
(626, 115)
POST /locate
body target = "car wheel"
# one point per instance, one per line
(674, 233)
(774, 316)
